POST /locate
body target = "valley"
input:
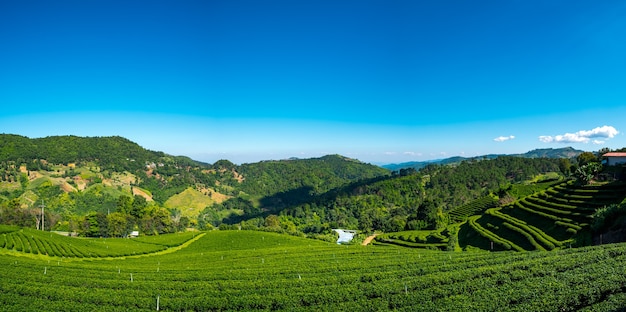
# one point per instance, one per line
(159, 232)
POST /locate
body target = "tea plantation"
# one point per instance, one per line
(247, 270)
(556, 216)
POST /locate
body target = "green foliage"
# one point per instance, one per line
(265, 271)
(298, 196)
(607, 216)
(110, 152)
(474, 207)
(168, 240)
(587, 172)
(46, 243)
(493, 238)
(586, 158)
(551, 219)
(8, 229)
(286, 180)
(519, 190)
(417, 200)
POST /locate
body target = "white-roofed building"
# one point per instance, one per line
(345, 236)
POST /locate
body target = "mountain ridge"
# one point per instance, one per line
(564, 152)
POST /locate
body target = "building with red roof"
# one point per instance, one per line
(615, 158)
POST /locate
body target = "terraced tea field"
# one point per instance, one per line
(556, 217)
(245, 270)
(34, 242)
(543, 221)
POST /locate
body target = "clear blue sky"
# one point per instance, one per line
(380, 81)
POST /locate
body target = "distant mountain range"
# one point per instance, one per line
(565, 152)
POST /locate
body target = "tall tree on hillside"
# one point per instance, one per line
(585, 158)
(118, 224)
(124, 204)
(565, 166)
(138, 206)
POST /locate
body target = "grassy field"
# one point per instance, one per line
(246, 270)
(191, 201)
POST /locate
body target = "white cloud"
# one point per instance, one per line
(412, 153)
(503, 138)
(582, 136)
(546, 139)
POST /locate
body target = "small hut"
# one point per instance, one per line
(614, 158)
(345, 236)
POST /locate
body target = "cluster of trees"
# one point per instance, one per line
(148, 220)
(589, 165)
(121, 215)
(98, 210)
(405, 200)
(315, 175)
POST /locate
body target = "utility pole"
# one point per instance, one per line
(42, 214)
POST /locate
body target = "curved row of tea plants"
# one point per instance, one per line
(474, 207)
(50, 244)
(545, 220)
(245, 270)
(414, 239)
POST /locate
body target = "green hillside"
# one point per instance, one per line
(565, 153)
(110, 186)
(557, 215)
(190, 202)
(414, 200)
(555, 218)
(29, 242)
(81, 181)
(253, 271)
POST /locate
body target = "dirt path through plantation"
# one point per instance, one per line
(369, 239)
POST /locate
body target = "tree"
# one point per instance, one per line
(24, 180)
(287, 225)
(565, 166)
(272, 222)
(124, 204)
(395, 224)
(89, 225)
(603, 151)
(183, 223)
(138, 206)
(585, 158)
(118, 224)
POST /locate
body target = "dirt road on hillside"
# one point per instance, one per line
(369, 239)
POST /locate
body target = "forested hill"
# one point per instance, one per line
(78, 176)
(565, 152)
(118, 154)
(418, 199)
(114, 152)
(316, 174)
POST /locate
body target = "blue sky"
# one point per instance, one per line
(380, 81)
